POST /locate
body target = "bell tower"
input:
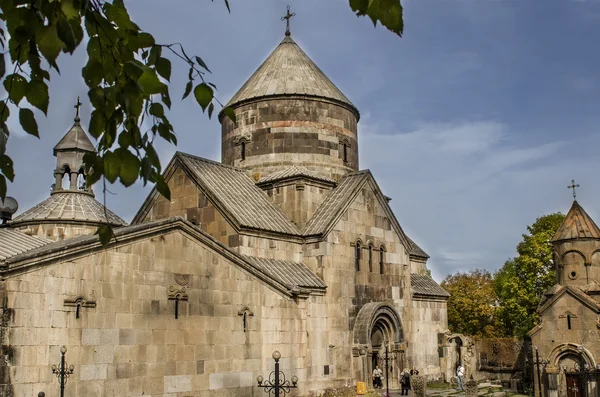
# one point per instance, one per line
(576, 247)
(69, 151)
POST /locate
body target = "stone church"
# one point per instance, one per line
(283, 245)
(567, 339)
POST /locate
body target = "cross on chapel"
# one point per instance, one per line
(287, 20)
(77, 107)
(573, 186)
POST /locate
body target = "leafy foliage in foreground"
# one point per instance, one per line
(523, 279)
(127, 74)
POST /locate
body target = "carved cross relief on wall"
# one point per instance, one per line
(245, 313)
(178, 293)
(78, 303)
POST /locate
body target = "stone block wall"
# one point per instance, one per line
(281, 132)
(130, 344)
(428, 318)
(188, 202)
(298, 198)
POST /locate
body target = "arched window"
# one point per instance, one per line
(81, 185)
(381, 253)
(243, 150)
(66, 179)
(357, 256)
(370, 258)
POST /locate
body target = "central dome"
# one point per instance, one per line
(290, 114)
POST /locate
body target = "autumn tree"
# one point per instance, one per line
(472, 303)
(127, 74)
(520, 283)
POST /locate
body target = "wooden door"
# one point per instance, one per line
(574, 386)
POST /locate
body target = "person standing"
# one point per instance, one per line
(377, 375)
(460, 377)
(405, 382)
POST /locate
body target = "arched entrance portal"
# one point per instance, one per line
(378, 325)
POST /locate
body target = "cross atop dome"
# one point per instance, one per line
(287, 18)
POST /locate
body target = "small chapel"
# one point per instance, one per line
(284, 245)
(567, 339)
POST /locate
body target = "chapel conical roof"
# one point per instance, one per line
(70, 206)
(289, 71)
(577, 224)
(75, 139)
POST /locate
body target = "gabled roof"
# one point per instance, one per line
(415, 250)
(423, 285)
(289, 278)
(233, 191)
(335, 203)
(576, 293)
(577, 224)
(69, 206)
(75, 139)
(292, 274)
(340, 199)
(14, 242)
(293, 172)
(289, 71)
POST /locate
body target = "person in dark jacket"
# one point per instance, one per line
(405, 382)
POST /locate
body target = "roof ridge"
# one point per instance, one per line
(577, 224)
(209, 161)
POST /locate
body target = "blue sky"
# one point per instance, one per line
(474, 122)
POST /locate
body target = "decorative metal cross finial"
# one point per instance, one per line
(287, 20)
(573, 186)
(77, 106)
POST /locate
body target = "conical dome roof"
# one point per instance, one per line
(75, 139)
(577, 224)
(289, 71)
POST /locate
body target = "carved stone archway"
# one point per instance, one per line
(377, 324)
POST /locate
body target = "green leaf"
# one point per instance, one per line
(6, 166)
(66, 35)
(69, 9)
(150, 83)
(204, 95)
(2, 66)
(163, 67)
(166, 98)
(157, 110)
(4, 111)
(155, 53)
(16, 85)
(387, 12)
(162, 186)
(37, 95)
(229, 112)
(92, 73)
(112, 166)
(211, 109)
(145, 40)
(188, 89)
(130, 167)
(49, 43)
(201, 63)
(133, 69)
(3, 139)
(27, 120)
(105, 234)
(3, 187)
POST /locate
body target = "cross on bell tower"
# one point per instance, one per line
(573, 186)
(77, 107)
(287, 18)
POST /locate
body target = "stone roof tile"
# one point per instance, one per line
(426, 286)
(291, 274)
(334, 203)
(289, 71)
(415, 250)
(70, 206)
(292, 172)
(75, 138)
(14, 242)
(577, 224)
(238, 194)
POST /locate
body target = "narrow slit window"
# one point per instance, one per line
(243, 150)
(370, 258)
(345, 152)
(357, 257)
(568, 321)
(381, 253)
